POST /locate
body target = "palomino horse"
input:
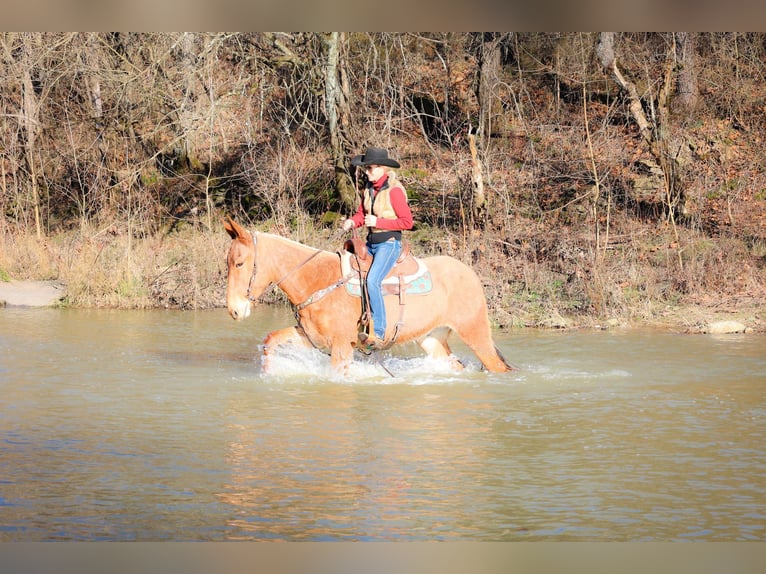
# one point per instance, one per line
(327, 315)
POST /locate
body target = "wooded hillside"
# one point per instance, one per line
(588, 177)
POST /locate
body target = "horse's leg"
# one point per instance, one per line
(435, 345)
(287, 336)
(478, 337)
(341, 355)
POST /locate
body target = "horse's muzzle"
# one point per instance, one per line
(240, 310)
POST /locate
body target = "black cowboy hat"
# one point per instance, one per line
(374, 156)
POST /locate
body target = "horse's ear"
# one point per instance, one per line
(231, 227)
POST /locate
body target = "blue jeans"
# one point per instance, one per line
(384, 257)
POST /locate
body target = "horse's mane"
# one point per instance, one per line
(290, 241)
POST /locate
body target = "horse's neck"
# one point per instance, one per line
(297, 269)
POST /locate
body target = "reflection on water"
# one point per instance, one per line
(160, 426)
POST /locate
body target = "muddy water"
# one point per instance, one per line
(161, 426)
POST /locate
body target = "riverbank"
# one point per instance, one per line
(733, 318)
(644, 276)
(733, 315)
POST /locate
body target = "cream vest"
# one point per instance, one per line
(382, 207)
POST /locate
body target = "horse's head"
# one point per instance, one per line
(241, 265)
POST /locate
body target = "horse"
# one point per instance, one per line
(327, 314)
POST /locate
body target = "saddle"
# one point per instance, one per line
(357, 246)
(408, 275)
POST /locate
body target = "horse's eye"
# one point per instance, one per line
(239, 264)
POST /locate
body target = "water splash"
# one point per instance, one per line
(313, 366)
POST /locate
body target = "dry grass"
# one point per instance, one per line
(108, 268)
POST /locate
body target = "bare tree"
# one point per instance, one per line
(490, 105)
(688, 88)
(654, 131)
(20, 50)
(337, 109)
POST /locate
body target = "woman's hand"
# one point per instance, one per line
(370, 220)
(348, 224)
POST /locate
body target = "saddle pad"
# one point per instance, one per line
(418, 283)
(418, 286)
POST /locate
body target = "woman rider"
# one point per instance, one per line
(385, 212)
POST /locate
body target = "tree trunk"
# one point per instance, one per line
(94, 78)
(30, 119)
(490, 107)
(688, 88)
(334, 100)
(479, 199)
(186, 148)
(605, 52)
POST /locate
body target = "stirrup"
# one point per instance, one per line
(367, 346)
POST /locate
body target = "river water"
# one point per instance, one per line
(160, 425)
